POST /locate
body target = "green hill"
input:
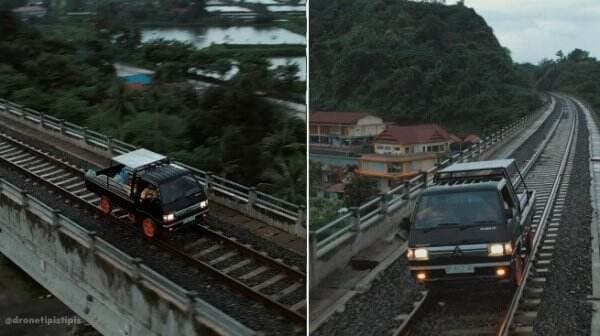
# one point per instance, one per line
(413, 62)
(576, 73)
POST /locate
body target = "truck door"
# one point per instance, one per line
(509, 203)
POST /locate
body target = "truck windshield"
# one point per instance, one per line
(458, 209)
(182, 187)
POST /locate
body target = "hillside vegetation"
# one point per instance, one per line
(413, 62)
(576, 73)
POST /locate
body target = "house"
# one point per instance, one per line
(343, 129)
(29, 11)
(400, 152)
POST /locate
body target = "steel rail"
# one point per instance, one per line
(508, 319)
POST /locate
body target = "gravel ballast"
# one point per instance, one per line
(564, 309)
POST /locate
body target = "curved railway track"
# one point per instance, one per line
(253, 273)
(491, 310)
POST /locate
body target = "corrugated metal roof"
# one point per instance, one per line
(478, 165)
(138, 158)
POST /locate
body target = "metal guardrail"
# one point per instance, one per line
(271, 206)
(327, 237)
(187, 301)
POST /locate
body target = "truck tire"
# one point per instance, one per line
(149, 228)
(105, 206)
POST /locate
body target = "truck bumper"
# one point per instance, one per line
(496, 271)
(184, 222)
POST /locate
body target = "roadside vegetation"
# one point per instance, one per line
(226, 129)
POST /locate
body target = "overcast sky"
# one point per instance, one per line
(534, 29)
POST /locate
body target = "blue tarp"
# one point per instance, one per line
(137, 79)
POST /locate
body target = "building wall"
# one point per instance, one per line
(400, 149)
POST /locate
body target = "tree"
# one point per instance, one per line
(9, 25)
(287, 179)
(323, 210)
(119, 106)
(360, 190)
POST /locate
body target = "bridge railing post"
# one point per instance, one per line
(383, 203)
(312, 251)
(84, 134)
(355, 219)
(137, 264)
(61, 123)
(42, 120)
(251, 197)
(406, 190)
(209, 182)
(24, 199)
(191, 301)
(92, 237)
(424, 178)
(300, 218)
(55, 222)
(109, 145)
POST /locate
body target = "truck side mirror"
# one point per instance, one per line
(508, 213)
(405, 224)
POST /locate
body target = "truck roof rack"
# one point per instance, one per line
(141, 159)
(480, 171)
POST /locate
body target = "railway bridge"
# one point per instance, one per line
(240, 273)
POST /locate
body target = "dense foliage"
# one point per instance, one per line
(576, 73)
(413, 62)
(227, 129)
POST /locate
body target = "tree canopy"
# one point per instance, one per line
(413, 62)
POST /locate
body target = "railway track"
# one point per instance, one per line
(253, 273)
(490, 310)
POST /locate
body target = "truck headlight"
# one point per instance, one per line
(421, 254)
(499, 249)
(169, 217)
(204, 204)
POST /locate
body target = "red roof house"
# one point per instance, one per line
(416, 134)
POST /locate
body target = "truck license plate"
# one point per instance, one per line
(189, 219)
(455, 269)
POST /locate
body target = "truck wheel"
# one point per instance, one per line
(518, 271)
(149, 228)
(105, 206)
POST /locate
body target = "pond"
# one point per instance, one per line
(300, 61)
(203, 37)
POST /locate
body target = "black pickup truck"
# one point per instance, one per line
(471, 224)
(156, 194)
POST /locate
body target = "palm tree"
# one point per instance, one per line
(119, 105)
(286, 178)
